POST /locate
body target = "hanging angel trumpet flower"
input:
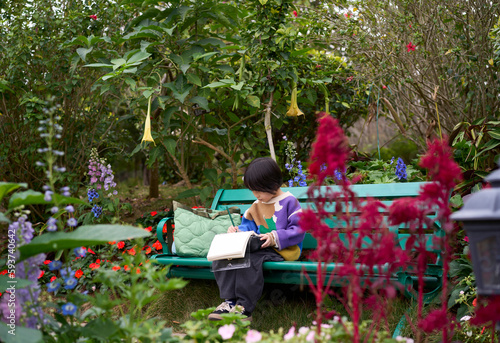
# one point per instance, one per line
(147, 125)
(294, 110)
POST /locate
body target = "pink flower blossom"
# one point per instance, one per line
(295, 14)
(410, 47)
(227, 331)
(93, 16)
(253, 336)
(290, 334)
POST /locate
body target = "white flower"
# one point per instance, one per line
(303, 330)
(465, 318)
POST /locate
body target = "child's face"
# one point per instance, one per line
(263, 196)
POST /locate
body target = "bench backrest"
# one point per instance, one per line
(386, 193)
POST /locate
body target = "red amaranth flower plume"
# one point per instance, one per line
(438, 160)
(487, 314)
(330, 150)
(435, 320)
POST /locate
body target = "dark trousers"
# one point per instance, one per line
(245, 285)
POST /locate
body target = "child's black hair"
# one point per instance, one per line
(263, 175)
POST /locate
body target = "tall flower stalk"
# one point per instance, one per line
(346, 243)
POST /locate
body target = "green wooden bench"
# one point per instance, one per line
(292, 272)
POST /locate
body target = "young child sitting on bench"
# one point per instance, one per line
(242, 288)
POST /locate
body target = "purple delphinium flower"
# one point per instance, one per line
(401, 169)
(97, 211)
(51, 224)
(25, 301)
(72, 222)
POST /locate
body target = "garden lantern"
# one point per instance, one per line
(481, 217)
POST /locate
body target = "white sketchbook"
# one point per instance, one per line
(229, 245)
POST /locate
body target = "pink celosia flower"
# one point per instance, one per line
(226, 331)
(295, 13)
(253, 336)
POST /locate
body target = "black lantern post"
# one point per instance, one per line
(481, 217)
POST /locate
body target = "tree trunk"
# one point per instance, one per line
(267, 125)
(154, 191)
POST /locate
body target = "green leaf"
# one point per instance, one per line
(194, 79)
(238, 86)
(170, 144)
(7, 187)
(101, 328)
(99, 65)
(253, 101)
(201, 101)
(82, 236)
(494, 133)
(3, 218)
(82, 52)
(31, 197)
(6, 282)
(19, 334)
(138, 57)
(345, 104)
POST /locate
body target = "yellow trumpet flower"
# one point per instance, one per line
(294, 110)
(147, 125)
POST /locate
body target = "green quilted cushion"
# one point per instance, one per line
(195, 228)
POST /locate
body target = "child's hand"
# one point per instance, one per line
(269, 240)
(232, 229)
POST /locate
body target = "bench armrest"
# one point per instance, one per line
(166, 245)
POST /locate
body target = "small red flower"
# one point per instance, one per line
(91, 251)
(111, 243)
(466, 238)
(137, 271)
(147, 249)
(115, 268)
(295, 14)
(47, 261)
(93, 16)
(157, 245)
(126, 267)
(410, 47)
(98, 261)
(349, 79)
(131, 251)
(3, 272)
(78, 273)
(154, 213)
(94, 266)
(474, 302)
(41, 274)
(318, 66)
(53, 278)
(120, 245)
(149, 228)
(384, 87)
